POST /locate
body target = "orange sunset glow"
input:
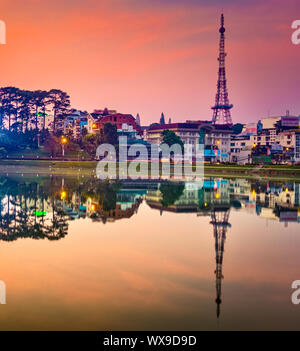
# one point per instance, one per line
(148, 57)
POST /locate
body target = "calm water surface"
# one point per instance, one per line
(76, 253)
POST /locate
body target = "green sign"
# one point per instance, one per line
(40, 213)
(41, 114)
(262, 159)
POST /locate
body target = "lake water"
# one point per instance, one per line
(80, 254)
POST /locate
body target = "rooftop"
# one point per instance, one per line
(174, 126)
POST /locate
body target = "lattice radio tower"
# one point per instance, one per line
(222, 107)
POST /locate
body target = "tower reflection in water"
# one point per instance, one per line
(208, 198)
(43, 209)
(220, 218)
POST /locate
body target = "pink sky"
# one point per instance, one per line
(155, 56)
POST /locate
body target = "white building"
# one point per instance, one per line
(240, 149)
(216, 138)
(217, 142)
(188, 133)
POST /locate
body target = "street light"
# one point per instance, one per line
(63, 195)
(63, 141)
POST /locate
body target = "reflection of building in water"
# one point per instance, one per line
(297, 195)
(187, 202)
(127, 204)
(196, 197)
(35, 207)
(269, 200)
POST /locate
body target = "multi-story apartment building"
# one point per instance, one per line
(74, 123)
(279, 134)
(124, 122)
(269, 129)
(265, 137)
(240, 149)
(282, 122)
(286, 139)
(216, 138)
(188, 133)
(216, 141)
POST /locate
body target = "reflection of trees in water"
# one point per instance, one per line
(36, 209)
(22, 225)
(106, 200)
(18, 212)
(22, 198)
(103, 192)
(170, 193)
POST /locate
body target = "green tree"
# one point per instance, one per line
(90, 143)
(170, 138)
(12, 140)
(9, 99)
(39, 100)
(60, 102)
(52, 146)
(170, 193)
(109, 134)
(84, 132)
(25, 108)
(3, 152)
(30, 138)
(237, 128)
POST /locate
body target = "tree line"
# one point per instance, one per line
(21, 109)
(23, 125)
(23, 116)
